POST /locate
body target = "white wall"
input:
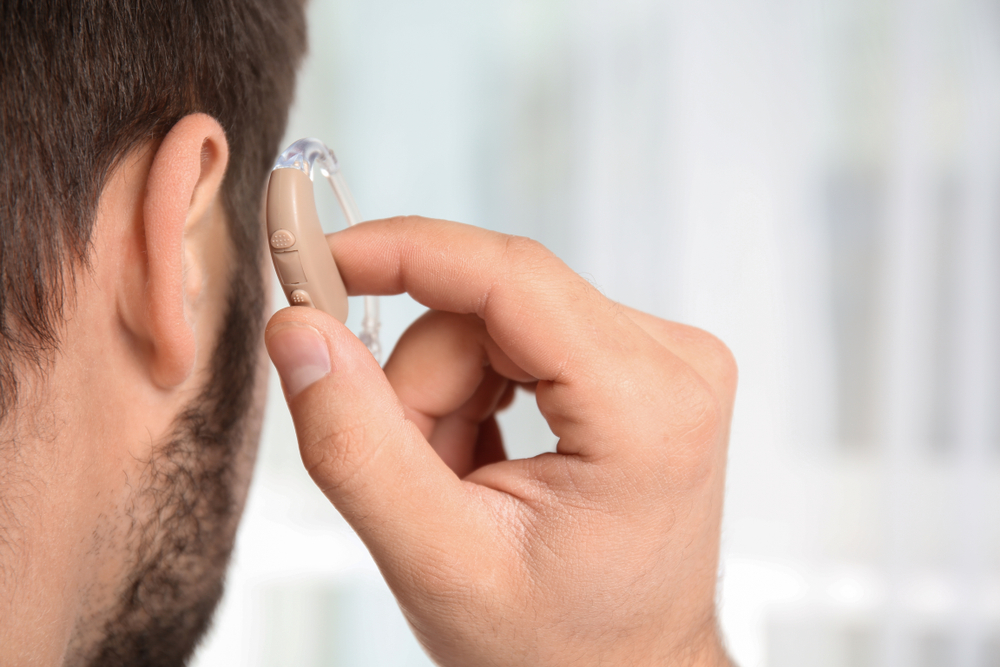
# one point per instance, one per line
(816, 182)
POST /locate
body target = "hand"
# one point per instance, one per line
(604, 553)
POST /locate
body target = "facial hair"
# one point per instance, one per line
(195, 484)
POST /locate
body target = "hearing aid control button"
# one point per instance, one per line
(300, 297)
(282, 239)
(289, 267)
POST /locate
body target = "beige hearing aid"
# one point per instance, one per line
(301, 256)
(302, 259)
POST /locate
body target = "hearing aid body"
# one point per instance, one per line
(301, 256)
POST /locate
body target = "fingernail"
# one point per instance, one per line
(300, 354)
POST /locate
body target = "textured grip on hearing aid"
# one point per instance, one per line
(299, 250)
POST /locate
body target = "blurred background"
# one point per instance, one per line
(815, 181)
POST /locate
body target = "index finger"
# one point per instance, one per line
(532, 303)
(601, 375)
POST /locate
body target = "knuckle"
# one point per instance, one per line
(721, 359)
(715, 361)
(521, 251)
(694, 429)
(697, 411)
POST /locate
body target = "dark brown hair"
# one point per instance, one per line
(85, 81)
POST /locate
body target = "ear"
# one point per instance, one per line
(184, 179)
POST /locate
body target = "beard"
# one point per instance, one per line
(190, 498)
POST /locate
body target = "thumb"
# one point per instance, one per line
(370, 461)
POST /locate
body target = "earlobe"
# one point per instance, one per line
(184, 179)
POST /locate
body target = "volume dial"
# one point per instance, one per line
(282, 239)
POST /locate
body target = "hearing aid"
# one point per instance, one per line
(299, 251)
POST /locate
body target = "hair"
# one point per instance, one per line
(86, 81)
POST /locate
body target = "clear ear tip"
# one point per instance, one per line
(305, 155)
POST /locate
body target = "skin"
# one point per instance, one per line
(91, 500)
(603, 553)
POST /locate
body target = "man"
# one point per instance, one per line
(136, 140)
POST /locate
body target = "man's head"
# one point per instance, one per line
(136, 138)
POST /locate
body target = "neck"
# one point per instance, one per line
(60, 534)
(40, 550)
